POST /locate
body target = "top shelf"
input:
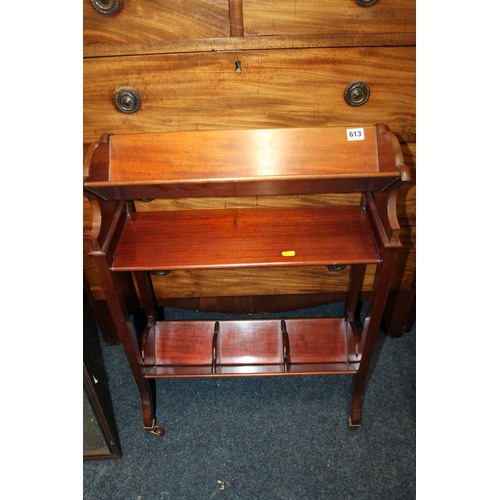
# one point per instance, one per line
(244, 162)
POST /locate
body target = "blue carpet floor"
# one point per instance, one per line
(261, 438)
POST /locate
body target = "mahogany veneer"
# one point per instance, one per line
(245, 237)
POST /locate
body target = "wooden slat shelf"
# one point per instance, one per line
(119, 170)
(245, 237)
(204, 371)
(248, 347)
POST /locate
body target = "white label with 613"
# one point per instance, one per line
(355, 134)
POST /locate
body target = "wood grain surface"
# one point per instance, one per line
(151, 20)
(273, 90)
(284, 17)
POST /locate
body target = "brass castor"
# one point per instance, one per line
(155, 429)
(351, 425)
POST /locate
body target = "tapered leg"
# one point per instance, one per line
(370, 331)
(128, 339)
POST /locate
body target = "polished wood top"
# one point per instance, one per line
(244, 162)
(243, 154)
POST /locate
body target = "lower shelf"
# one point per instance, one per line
(249, 347)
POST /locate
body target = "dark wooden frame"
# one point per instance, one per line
(100, 424)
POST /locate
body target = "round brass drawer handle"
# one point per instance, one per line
(106, 6)
(357, 93)
(127, 101)
(366, 3)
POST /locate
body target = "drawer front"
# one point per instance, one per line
(155, 20)
(283, 17)
(274, 88)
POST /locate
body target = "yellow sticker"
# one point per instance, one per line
(288, 253)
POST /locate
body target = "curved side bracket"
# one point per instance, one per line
(96, 163)
(96, 220)
(382, 206)
(108, 218)
(390, 154)
(148, 339)
(381, 210)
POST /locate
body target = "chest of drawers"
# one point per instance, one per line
(168, 66)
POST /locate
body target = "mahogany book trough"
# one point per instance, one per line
(120, 169)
